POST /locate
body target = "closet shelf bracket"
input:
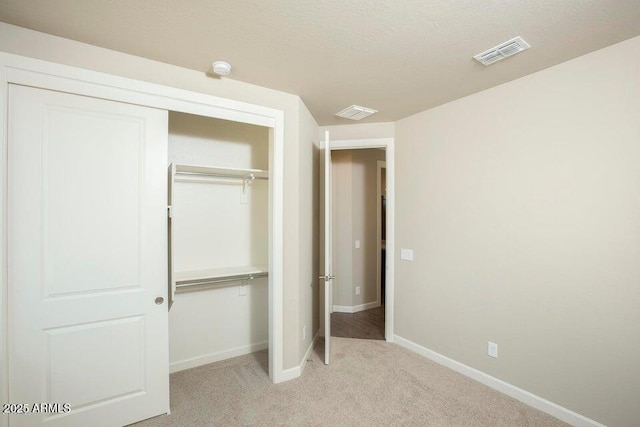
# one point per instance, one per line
(247, 180)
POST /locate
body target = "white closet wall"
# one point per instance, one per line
(214, 228)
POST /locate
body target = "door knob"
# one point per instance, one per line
(159, 300)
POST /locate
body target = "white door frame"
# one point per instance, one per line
(380, 164)
(16, 69)
(388, 145)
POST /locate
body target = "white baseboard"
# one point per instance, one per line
(303, 362)
(296, 371)
(181, 365)
(524, 396)
(355, 308)
(366, 306)
(289, 374)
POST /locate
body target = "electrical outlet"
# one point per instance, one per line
(492, 349)
(357, 290)
(304, 332)
(357, 244)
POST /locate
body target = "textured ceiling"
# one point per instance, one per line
(399, 57)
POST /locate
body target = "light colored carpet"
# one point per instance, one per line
(369, 383)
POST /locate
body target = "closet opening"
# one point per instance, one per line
(99, 288)
(219, 240)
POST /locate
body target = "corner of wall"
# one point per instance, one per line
(308, 237)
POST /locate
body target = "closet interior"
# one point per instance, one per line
(218, 176)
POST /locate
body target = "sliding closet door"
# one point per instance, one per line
(87, 258)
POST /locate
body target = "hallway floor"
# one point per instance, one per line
(367, 324)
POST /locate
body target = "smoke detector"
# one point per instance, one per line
(503, 50)
(356, 112)
(221, 68)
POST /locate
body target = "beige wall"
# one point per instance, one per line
(309, 211)
(341, 227)
(38, 45)
(354, 186)
(522, 204)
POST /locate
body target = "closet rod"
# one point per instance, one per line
(213, 281)
(249, 176)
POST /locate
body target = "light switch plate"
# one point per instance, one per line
(243, 290)
(357, 244)
(492, 349)
(406, 254)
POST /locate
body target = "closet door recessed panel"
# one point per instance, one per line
(92, 164)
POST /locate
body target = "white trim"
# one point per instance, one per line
(366, 306)
(194, 362)
(291, 373)
(296, 371)
(303, 362)
(4, 329)
(388, 145)
(342, 309)
(355, 308)
(63, 78)
(390, 243)
(354, 144)
(517, 393)
(37, 73)
(380, 164)
(276, 250)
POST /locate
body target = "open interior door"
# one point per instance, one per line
(327, 277)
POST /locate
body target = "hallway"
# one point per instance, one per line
(366, 324)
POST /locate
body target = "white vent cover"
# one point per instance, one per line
(502, 51)
(356, 112)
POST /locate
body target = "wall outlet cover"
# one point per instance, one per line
(357, 290)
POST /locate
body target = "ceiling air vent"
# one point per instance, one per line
(356, 112)
(502, 51)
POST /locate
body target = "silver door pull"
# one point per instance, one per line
(159, 300)
(327, 278)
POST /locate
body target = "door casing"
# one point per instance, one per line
(388, 145)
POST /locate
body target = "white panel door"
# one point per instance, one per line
(328, 246)
(87, 259)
